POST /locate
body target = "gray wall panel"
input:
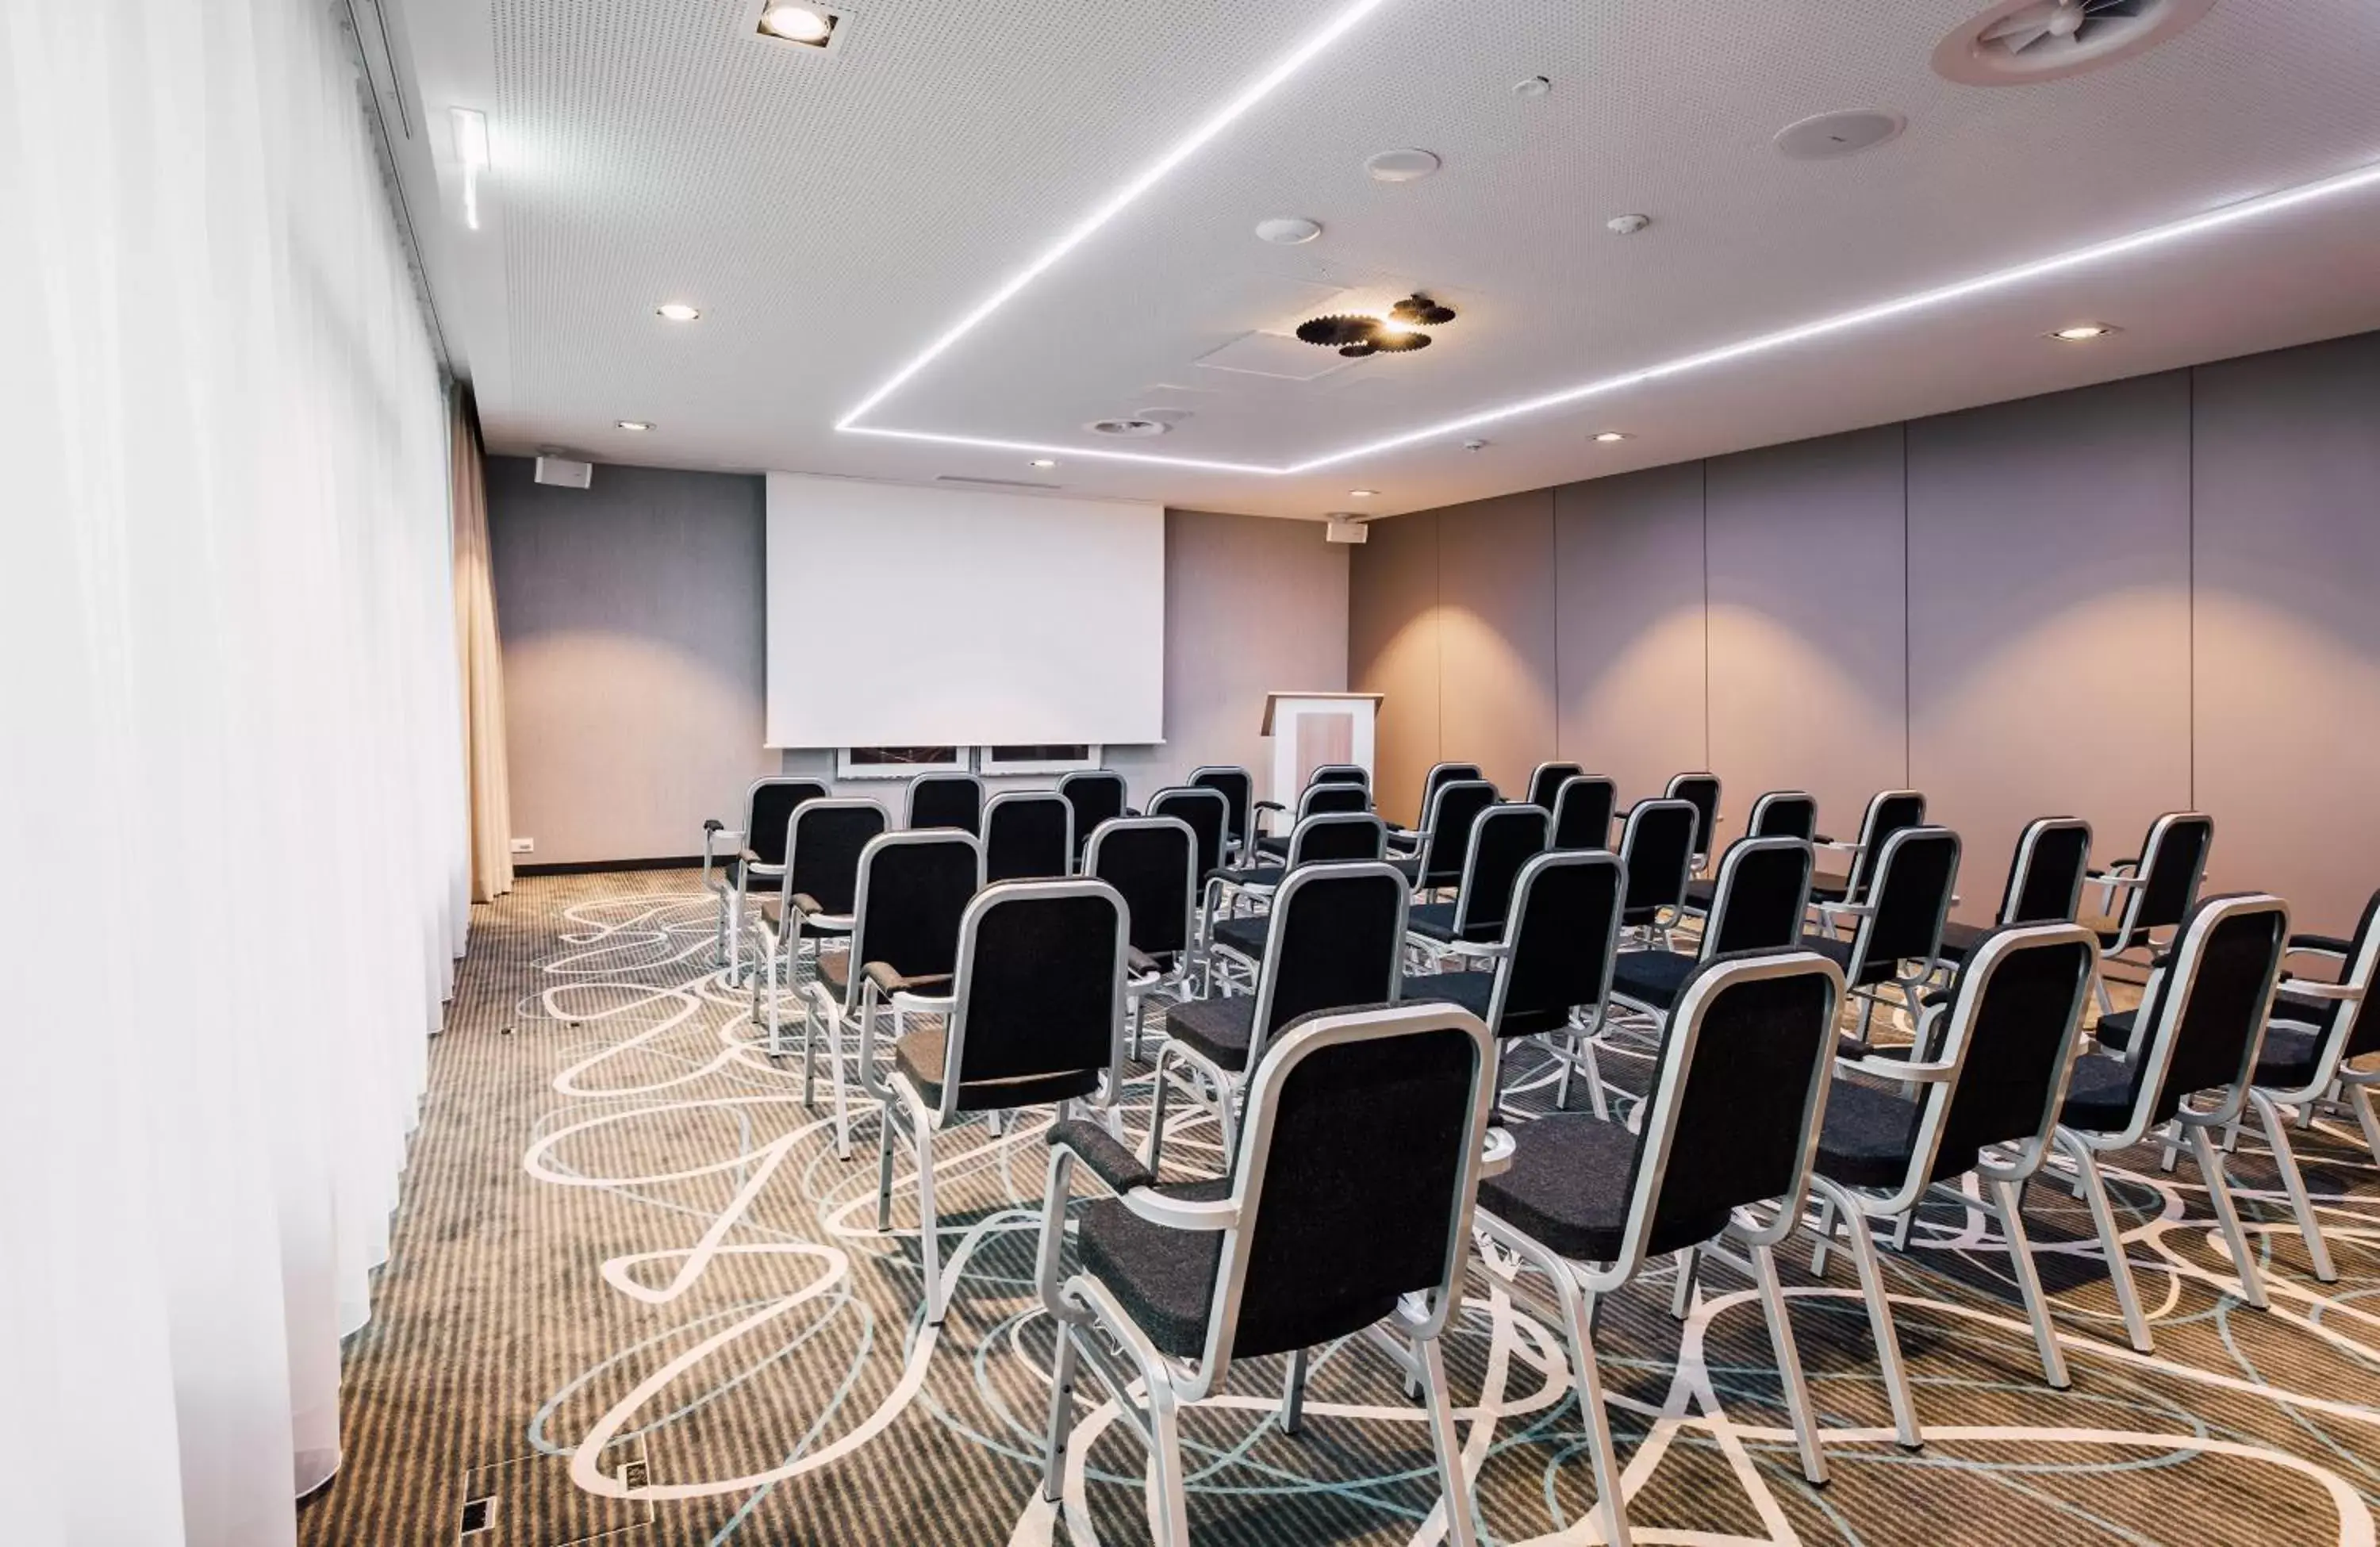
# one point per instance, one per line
(1392, 648)
(1496, 636)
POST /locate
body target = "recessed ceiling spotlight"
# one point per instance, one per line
(2082, 332)
(1609, 437)
(1401, 167)
(800, 24)
(1289, 230)
(1043, 462)
(1535, 85)
(636, 424)
(1627, 224)
(1360, 494)
(676, 311)
(1829, 135)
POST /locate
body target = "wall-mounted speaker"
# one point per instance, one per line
(563, 473)
(1343, 531)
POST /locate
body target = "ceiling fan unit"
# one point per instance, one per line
(2018, 41)
(1398, 332)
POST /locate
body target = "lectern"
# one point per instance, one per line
(1310, 729)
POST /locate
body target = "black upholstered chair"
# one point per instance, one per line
(1408, 841)
(1333, 938)
(945, 801)
(2159, 889)
(1152, 862)
(1763, 891)
(1897, 936)
(1028, 835)
(1781, 814)
(1444, 838)
(1551, 976)
(1096, 795)
(1331, 838)
(1346, 1208)
(1208, 813)
(1657, 850)
(1700, 790)
(914, 888)
(1341, 773)
(1503, 839)
(1978, 1093)
(1238, 788)
(2198, 1033)
(737, 863)
(2045, 882)
(1887, 812)
(1546, 781)
(1583, 809)
(817, 888)
(1723, 1155)
(1034, 1018)
(1322, 797)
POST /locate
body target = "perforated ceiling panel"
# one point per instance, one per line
(833, 214)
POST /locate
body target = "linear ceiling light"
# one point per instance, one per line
(471, 152)
(1041, 449)
(1115, 205)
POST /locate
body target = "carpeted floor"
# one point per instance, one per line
(635, 1299)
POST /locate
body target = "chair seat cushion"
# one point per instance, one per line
(1869, 1135)
(1272, 846)
(2108, 929)
(2289, 1057)
(1700, 894)
(1433, 921)
(2317, 1013)
(1245, 936)
(1568, 1187)
(1960, 939)
(1651, 978)
(1163, 1278)
(2099, 1095)
(922, 1054)
(1830, 888)
(2115, 1029)
(1472, 991)
(1216, 1029)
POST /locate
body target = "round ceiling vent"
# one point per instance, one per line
(1127, 428)
(2016, 42)
(1837, 134)
(1401, 167)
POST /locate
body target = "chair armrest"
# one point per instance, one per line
(2310, 988)
(2113, 877)
(1849, 910)
(1269, 805)
(712, 824)
(807, 906)
(1895, 1068)
(1106, 1156)
(749, 857)
(2321, 945)
(1138, 963)
(1496, 1155)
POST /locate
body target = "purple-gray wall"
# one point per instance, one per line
(2150, 594)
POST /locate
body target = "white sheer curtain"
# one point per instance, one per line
(230, 794)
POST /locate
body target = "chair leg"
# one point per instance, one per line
(1169, 1486)
(1879, 1324)
(930, 1235)
(1061, 1409)
(1611, 1499)
(1824, 1232)
(2359, 1097)
(1460, 1529)
(2107, 1000)
(1293, 1395)
(2093, 1190)
(2301, 1204)
(1789, 1366)
(1139, 1009)
(2028, 1283)
(1595, 1098)
(734, 926)
(2219, 1194)
(884, 1170)
(1155, 1151)
(1681, 1294)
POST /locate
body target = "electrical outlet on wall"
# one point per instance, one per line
(523, 845)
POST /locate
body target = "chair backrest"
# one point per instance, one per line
(1699, 790)
(1208, 813)
(1098, 794)
(1357, 1172)
(1785, 813)
(1337, 836)
(1335, 937)
(1738, 1092)
(769, 808)
(2045, 883)
(2201, 1019)
(2014, 1020)
(1039, 1001)
(1445, 772)
(823, 847)
(2173, 861)
(1914, 878)
(1561, 940)
(1582, 810)
(1503, 839)
(1238, 788)
(1887, 812)
(2362, 1032)
(1341, 796)
(1028, 835)
(1446, 830)
(914, 888)
(945, 801)
(1152, 862)
(1340, 773)
(1762, 893)
(1546, 782)
(1657, 850)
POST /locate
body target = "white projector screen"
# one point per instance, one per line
(903, 616)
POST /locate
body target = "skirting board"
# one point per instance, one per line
(595, 867)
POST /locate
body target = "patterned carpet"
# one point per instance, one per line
(627, 1255)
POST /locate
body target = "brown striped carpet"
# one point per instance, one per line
(626, 1244)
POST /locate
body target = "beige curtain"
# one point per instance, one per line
(481, 658)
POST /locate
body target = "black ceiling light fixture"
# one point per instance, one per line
(1396, 333)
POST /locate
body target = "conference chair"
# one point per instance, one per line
(1977, 1094)
(1700, 790)
(1345, 1208)
(1238, 788)
(1897, 941)
(1551, 973)
(1407, 841)
(1547, 779)
(1334, 938)
(1207, 813)
(1887, 812)
(913, 890)
(1096, 795)
(732, 860)
(1338, 797)
(1152, 862)
(1722, 1154)
(945, 801)
(1763, 891)
(2199, 1029)
(1028, 835)
(1657, 850)
(1341, 773)
(1445, 836)
(1781, 814)
(817, 891)
(1503, 839)
(2045, 883)
(2158, 888)
(1582, 809)
(1333, 838)
(1034, 1018)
